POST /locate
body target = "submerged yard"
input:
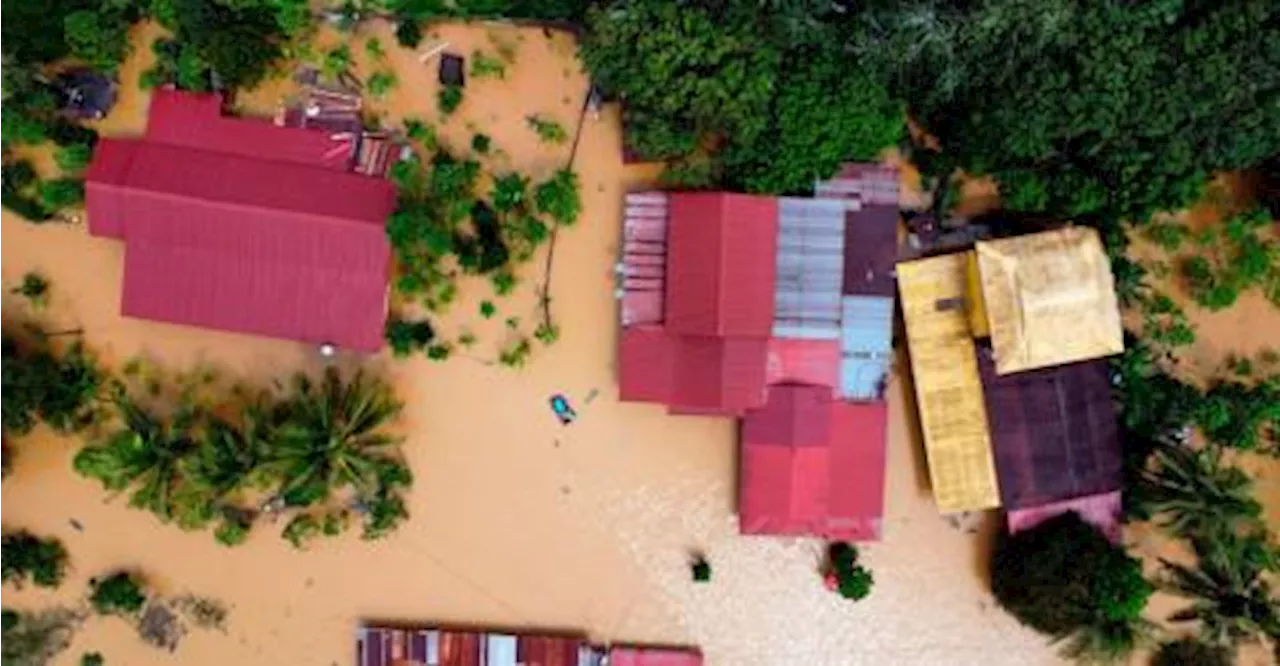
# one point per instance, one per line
(515, 520)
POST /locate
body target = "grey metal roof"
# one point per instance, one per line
(810, 268)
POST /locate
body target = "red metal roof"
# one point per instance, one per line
(813, 465)
(644, 364)
(803, 362)
(717, 375)
(653, 656)
(193, 120)
(224, 240)
(721, 264)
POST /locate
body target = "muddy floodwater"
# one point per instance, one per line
(516, 521)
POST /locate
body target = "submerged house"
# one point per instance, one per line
(776, 311)
(1007, 343)
(239, 225)
(392, 646)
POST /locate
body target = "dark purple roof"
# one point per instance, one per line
(1054, 432)
(870, 250)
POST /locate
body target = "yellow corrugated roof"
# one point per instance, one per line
(1050, 299)
(977, 308)
(953, 415)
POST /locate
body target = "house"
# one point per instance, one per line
(745, 306)
(239, 225)
(85, 94)
(949, 395)
(1007, 343)
(1049, 298)
(394, 646)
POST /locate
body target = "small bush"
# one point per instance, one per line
(381, 83)
(485, 66)
(301, 530)
(62, 193)
(34, 288)
(853, 580)
(74, 158)
(449, 99)
(408, 33)
(408, 336)
(700, 569)
(92, 659)
(26, 556)
(118, 594)
(549, 131)
(1191, 652)
(481, 143)
(423, 133)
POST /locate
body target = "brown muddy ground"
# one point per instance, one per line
(516, 520)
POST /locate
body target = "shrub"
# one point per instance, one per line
(481, 143)
(74, 158)
(853, 580)
(485, 66)
(1191, 652)
(559, 197)
(34, 287)
(408, 336)
(548, 131)
(118, 594)
(700, 569)
(381, 83)
(26, 556)
(301, 530)
(408, 33)
(63, 193)
(1063, 576)
(449, 99)
(60, 389)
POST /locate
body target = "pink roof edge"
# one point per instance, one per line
(1102, 511)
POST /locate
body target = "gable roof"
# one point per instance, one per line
(226, 240)
(194, 120)
(653, 656)
(1054, 432)
(810, 249)
(692, 374)
(721, 264)
(812, 465)
(953, 416)
(1050, 299)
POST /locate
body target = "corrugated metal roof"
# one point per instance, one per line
(871, 249)
(248, 245)
(1054, 431)
(866, 184)
(653, 656)
(388, 646)
(717, 375)
(948, 391)
(721, 264)
(644, 258)
(810, 268)
(812, 465)
(1101, 511)
(192, 120)
(803, 362)
(1050, 299)
(644, 364)
(866, 346)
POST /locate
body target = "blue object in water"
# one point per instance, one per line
(564, 412)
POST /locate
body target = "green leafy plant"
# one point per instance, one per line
(92, 659)
(485, 66)
(1231, 598)
(421, 132)
(548, 130)
(34, 288)
(1168, 235)
(301, 530)
(408, 336)
(449, 99)
(42, 384)
(73, 158)
(380, 83)
(1192, 652)
(481, 143)
(1064, 579)
(1237, 259)
(26, 556)
(337, 61)
(439, 352)
(408, 33)
(1192, 492)
(853, 580)
(510, 192)
(559, 197)
(700, 568)
(120, 593)
(373, 47)
(62, 193)
(1243, 416)
(487, 309)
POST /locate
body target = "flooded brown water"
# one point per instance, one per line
(516, 520)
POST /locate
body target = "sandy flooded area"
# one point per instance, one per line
(516, 521)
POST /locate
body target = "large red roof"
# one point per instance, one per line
(812, 465)
(721, 264)
(221, 239)
(691, 374)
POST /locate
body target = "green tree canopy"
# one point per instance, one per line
(1082, 108)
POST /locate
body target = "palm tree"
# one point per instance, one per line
(327, 436)
(147, 452)
(222, 464)
(1197, 493)
(1229, 595)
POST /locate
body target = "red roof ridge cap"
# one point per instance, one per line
(233, 205)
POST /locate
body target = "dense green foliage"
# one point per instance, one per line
(449, 99)
(762, 96)
(310, 445)
(42, 384)
(1191, 652)
(548, 130)
(1192, 492)
(1064, 579)
(1233, 259)
(34, 639)
(408, 336)
(700, 570)
(853, 581)
(1231, 598)
(26, 556)
(1094, 110)
(92, 659)
(121, 593)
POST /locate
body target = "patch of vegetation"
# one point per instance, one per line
(42, 384)
(1235, 259)
(35, 288)
(203, 612)
(309, 446)
(1192, 492)
(853, 581)
(1231, 599)
(421, 132)
(28, 557)
(700, 568)
(481, 144)
(449, 99)
(1192, 652)
(373, 48)
(120, 593)
(408, 33)
(35, 639)
(336, 62)
(485, 66)
(21, 185)
(92, 659)
(548, 130)
(74, 158)
(1064, 579)
(408, 336)
(381, 83)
